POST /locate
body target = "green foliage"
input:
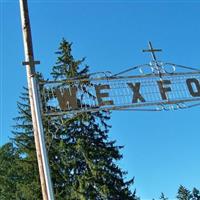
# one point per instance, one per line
(89, 169)
(163, 197)
(8, 159)
(82, 159)
(185, 194)
(17, 175)
(195, 194)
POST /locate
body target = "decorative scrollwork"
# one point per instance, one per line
(157, 67)
(100, 74)
(161, 67)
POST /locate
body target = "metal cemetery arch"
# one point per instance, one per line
(162, 88)
(165, 86)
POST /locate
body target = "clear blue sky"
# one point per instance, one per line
(161, 149)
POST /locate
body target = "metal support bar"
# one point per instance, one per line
(31, 63)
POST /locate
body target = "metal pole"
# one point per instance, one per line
(44, 172)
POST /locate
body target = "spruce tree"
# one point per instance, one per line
(195, 194)
(83, 161)
(89, 159)
(163, 197)
(8, 175)
(17, 175)
(28, 183)
(183, 193)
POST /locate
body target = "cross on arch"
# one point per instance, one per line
(152, 51)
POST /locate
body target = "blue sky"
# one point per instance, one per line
(161, 149)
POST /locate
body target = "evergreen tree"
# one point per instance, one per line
(183, 193)
(8, 176)
(16, 175)
(29, 184)
(195, 194)
(163, 197)
(88, 158)
(82, 159)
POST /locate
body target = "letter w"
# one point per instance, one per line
(67, 98)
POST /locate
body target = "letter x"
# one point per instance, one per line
(136, 92)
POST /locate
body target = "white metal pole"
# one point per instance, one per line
(43, 165)
(42, 140)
